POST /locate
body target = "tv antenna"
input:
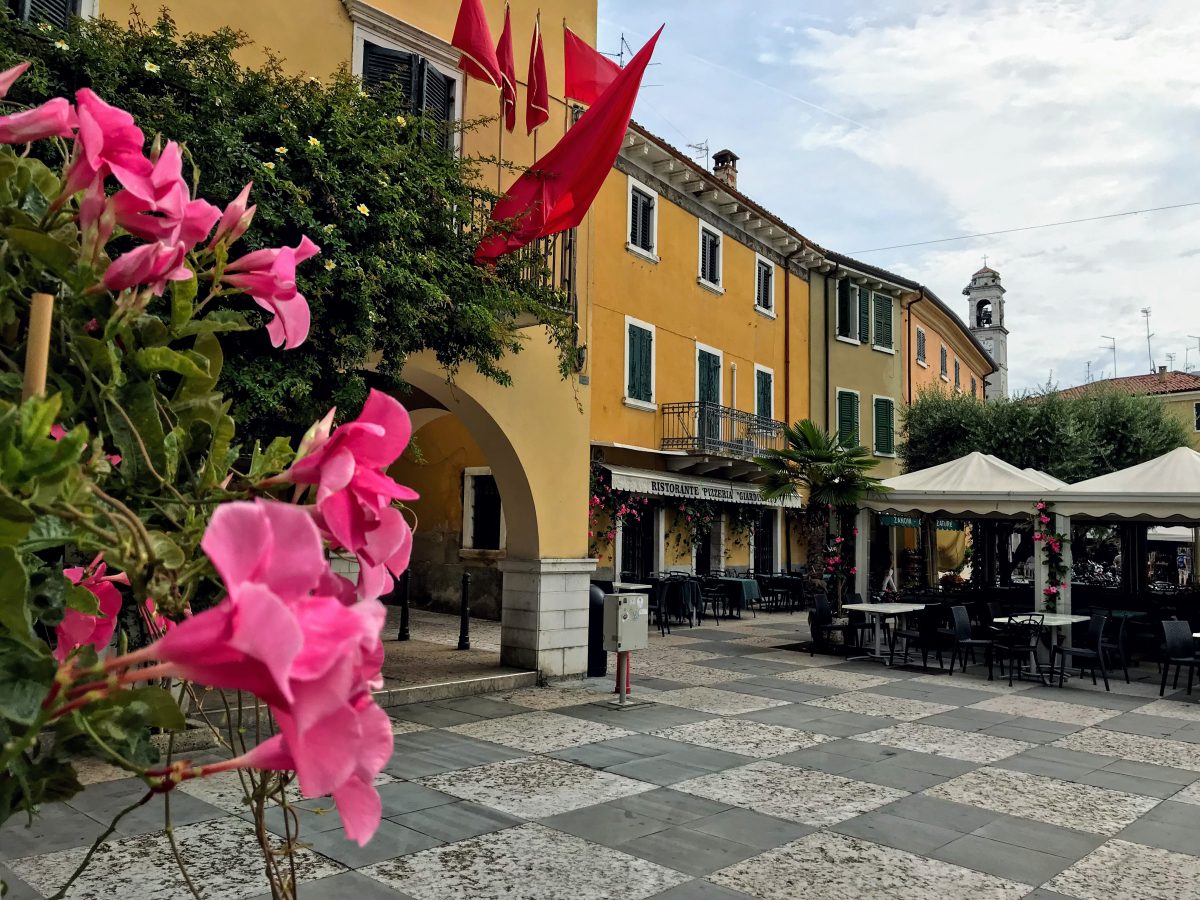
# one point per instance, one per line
(1088, 378)
(1171, 362)
(1112, 345)
(620, 55)
(701, 150)
(1149, 352)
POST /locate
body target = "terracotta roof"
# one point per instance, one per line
(986, 270)
(1166, 383)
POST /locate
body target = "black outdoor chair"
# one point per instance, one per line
(822, 625)
(1016, 642)
(712, 594)
(1093, 652)
(1180, 651)
(965, 639)
(926, 637)
(1119, 647)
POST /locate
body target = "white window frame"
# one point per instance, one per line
(372, 25)
(715, 287)
(957, 374)
(720, 354)
(771, 372)
(468, 536)
(923, 362)
(883, 348)
(852, 292)
(944, 371)
(777, 551)
(837, 419)
(874, 447)
(633, 402)
(763, 311)
(650, 255)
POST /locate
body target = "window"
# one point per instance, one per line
(427, 90)
(51, 12)
(853, 312)
(863, 301)
(710, 257)
(639, 364)
(643, 219)
(943, 363)
(845, 310)
(921, 346)
(885, 426)
(957, 375)
(974, 386)
(883, 321)
(483, 515)
(764, 392)
(764, 285)
(847, 418)
(1196, 410)
(763, 538)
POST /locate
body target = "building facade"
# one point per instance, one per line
(942, 354)
(1179, 393)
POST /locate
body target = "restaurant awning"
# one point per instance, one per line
(1165, 489)
(977, 485)
(684, 487)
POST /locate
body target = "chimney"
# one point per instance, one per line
(1162, 373)
(725, 167)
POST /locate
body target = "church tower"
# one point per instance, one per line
(985, 317)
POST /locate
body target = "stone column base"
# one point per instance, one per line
(544, 620)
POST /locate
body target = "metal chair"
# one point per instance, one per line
(925, 636)
(821, 624)
(1120, 646)
(1018, 640)
(1093, 652)
(964, 639)
(1180, 651)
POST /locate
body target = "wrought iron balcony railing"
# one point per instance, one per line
(716, 430)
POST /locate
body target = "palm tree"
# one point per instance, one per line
(836, 474)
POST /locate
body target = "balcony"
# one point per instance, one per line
(717, 437)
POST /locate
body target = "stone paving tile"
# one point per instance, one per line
(973, 683)
(1135, 747)
(531, 862)
(800, 659)
(54, 827)
(451, 822)
(1125, 869)
(340, 887)
(699, 889)
(16, 888)
(1151, 726)
(685, 850)
(685, 673)
(881, 827)
(1190, 794)
(534, 787)
(1049, 800)
(716, 702)
(1050, 710)
(748, 827)
(962, 745)
(1172, 709)
(643, 717)
(849, 681)
(391, 840)
(806, 796)
(540, 732)
(745, 737)
(670, 806)
(403, 726)
(824, 866)
(550, 697)
(223, 856)
(868, 704)
(982, 854)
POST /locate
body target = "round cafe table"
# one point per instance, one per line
(739, 592)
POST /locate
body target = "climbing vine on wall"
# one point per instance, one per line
(1051, 543)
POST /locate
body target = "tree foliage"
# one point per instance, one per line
(371, 184)
(1072, 438)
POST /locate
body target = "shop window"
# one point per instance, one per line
(483, 513)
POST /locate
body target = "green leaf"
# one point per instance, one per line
(82, 600)
(37, 415)
(55, 255)
(47, 532)
(24, 682)
(16, 520)
(183, 295)
(166, 550)
(273, 460)
(137, 400)
(163, 712)
(15, 617)
(216, 321)
(164, 359)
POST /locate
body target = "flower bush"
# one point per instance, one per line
(127, 458)
(1051, 543)
(609, 509)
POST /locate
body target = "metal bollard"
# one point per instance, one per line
(464, 624)
(405, 582)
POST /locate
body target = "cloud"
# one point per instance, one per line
(955, 118)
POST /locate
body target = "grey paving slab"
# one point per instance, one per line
(404, 797)
(596, 756)
(844, 724)
(891, 775)
(1018, 733)
(437, 715)
(701, 890)
(54, 827)
(1132, 784)
(606, 824)
(16, 889)
(658, 684)
(931, 764)
(1163, 835)
(345, 886)
(968, 719)
(764, 667)
(713, 634)
(390, 841)
(670, 806)
(1152, 726)
(443, 751)
(758, 688)
(894, 831)
(456, 821)
(1065, 842)
(660, 770)
(1080, 758)
(1101, 699)
(1180, 777)
(747, 827)
(1036, 765)
(950, 694)
(1000, 859)
(684, 850)
(945, 813)
(1043, 894)
(647, 717)
(793, 715)
(485, 707)
(820, 760)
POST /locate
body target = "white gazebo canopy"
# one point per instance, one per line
(1164, 489)
(978, 485)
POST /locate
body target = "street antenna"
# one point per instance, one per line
(1149, 352)
(1112, 345)
(1171, 362)
(1088, 378)
(701, 150)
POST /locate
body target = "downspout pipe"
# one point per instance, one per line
(787, 332)
(830, 279)
(912, 348)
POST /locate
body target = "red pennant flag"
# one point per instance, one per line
(473, 37)
(508, 74)
(557, 191)
(537, 91)
(588, 72)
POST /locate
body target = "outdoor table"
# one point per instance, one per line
(620, 586)
(1053, 621)
(739, 592)
(681, 597)
(882, 611)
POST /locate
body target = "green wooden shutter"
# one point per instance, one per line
(885, 425)
(647, 222)
(641, 351)
(635, 219)
(921, 344)
(765, 392)
(883, 320)
(974, 386)
(957, 374)
(943, 359)
(52, 12)
(704, 262)
(843, 308)
(864, 315)
(847, 416)
(710, 377)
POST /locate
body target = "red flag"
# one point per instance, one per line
(473, 37)
(537, 91)
(557, 191)
(588, 72)
(508, 74)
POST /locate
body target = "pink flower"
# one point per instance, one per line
(838, 540)
(590, 534)
(854, 532)
(58, 432)
(1041, 504)
(612, 535)
(108, 141)
(170, 215)
(1037, 535)
(853, 570)
(9, 76)
(152, 265)
(97, 218)
(78, 628)
(236, 218)
(54, 118)
(269, 277)
(1044, 519)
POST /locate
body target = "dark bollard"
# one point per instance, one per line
(464, 625)
(405, 582)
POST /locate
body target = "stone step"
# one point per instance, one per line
(498, 679)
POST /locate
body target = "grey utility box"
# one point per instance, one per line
(625, 619)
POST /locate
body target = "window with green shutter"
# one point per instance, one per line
(885, 426)
(883, 320)
(641, 365)
(864, 315)
(847, 418)
(943, 361)
(764, 294)
(957, 375)
(764, 394)
(845, 324)
(920, 345)
(51, 12)
(974, 386)
(427, 91)
(641, 220)
(710, 257)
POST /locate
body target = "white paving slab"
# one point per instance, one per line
(833, 678)
(551, 697)
(1050, 710)
(1171, 709)
(717, 702)
(540, 732)
(743, 736)
(866, 704)
(949, 742)
(1134, 747)
(1120, 869)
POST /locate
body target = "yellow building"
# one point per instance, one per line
(943, 354)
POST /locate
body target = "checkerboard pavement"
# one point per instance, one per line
(772, 774)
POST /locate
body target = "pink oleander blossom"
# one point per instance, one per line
(170, 215)
(108, 142)
(150, 265)
(78, 628)
(236, 218)
(269, 277)
(9, 77)
(54, 118)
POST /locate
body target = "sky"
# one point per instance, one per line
(872, 123)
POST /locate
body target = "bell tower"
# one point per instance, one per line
(985, 318)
